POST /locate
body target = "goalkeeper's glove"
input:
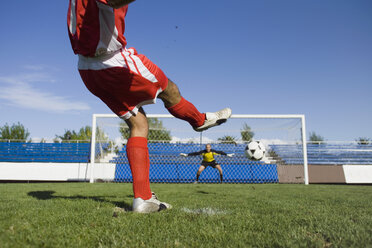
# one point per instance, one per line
(230, 155)
(183, 154)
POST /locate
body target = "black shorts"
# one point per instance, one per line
(212, 164)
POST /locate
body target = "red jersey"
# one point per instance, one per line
(95, 28)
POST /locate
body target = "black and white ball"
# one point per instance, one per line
(255, 150)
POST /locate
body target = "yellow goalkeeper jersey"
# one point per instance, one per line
(207, 156)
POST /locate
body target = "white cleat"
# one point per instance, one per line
(149, 206)
(214, 119)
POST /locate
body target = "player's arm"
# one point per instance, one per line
(196, 153)
(118, 3)
(223, 153)
(192, 153)
(219, 152)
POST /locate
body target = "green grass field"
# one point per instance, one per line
(204, 215)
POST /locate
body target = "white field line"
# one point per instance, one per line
(206, 211)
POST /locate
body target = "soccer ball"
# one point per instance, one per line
(255, 150)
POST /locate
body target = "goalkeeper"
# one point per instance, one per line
(208, 160)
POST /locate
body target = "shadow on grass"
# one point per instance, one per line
(48, 195)
(202, 192)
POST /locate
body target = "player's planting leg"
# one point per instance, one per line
(138, 156)
(149, 206)
(184, 110)
(137, 153)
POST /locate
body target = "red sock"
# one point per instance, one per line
(185, 110)
(138, 157)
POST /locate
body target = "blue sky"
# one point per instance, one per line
(311, 57)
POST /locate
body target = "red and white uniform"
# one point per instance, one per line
(120, 77)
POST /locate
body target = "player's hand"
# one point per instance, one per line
(183, 154)
(118, 3)
(230, 155)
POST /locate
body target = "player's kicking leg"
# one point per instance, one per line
(144, 201)
(182, 109)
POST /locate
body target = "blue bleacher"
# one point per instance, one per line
(326, 154)
(44, 152)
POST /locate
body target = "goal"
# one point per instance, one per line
(284, 137)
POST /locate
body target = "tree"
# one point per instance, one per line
(16, 132)
(315, 138)
(69, 135)
(246, 133)
(84, 135)
(157, 132)
(363, 141)
(227, 139)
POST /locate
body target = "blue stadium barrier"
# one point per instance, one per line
(168, 166)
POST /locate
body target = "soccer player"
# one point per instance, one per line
(125, 81)
(208, 160)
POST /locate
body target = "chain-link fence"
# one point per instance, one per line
(168, 166)
(168, 137)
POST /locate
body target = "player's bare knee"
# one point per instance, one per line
(172, 88)
(171, 95)
(138, 124)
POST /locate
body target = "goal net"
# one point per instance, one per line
(285, 160)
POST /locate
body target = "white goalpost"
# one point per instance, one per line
(283, 135)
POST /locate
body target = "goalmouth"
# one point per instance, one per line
(284, 137)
